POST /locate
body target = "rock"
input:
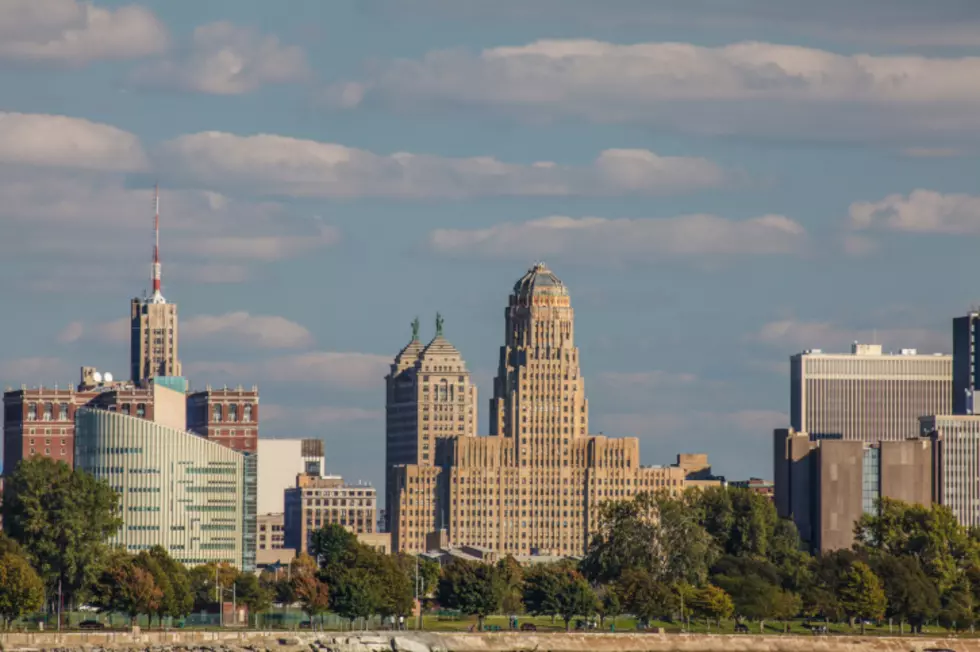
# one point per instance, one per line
(404, 644)
(288, 640)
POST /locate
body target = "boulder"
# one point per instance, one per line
(405, 644)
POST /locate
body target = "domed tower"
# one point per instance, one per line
(539, 395)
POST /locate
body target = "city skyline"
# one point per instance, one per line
(312, 204)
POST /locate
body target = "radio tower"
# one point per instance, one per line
(157, 297)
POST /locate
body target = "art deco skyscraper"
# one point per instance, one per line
(430, 396)
(153, 323)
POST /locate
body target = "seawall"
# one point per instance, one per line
(252, 641)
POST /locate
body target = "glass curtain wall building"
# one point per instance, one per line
(177, 489)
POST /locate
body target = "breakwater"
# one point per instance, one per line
(252, 641)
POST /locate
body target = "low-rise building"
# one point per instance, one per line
(271, 541)
(319, 501)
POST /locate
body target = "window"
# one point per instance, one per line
(216, 413)
(32, 412)
(233, 413)
(141, 409)
(247, 415)
(48, 409)
(63, 412)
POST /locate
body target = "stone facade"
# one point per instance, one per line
(535, 484)
(319, 501)
(153, 339)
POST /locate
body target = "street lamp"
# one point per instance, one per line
(219, 592)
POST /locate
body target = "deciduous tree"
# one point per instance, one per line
(861, 594)
(21, 589)
(472, 588)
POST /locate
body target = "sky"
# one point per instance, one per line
(720, 185)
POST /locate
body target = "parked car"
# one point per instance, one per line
(529, 627)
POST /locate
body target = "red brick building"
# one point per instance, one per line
(229, 417)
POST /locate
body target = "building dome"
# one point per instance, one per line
(539, 280)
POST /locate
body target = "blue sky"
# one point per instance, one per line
(718, 187)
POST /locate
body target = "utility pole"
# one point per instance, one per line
(60, 604)
(418, 601)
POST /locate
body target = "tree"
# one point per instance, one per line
(786, 606)
(608, 604)
(646, 598)
(61, 518)
(472, 588)
(182, 602)
(712, 603)
(332, 545)
(741, 522)
(910, 595)
(753, 585)
(958, 608)
(21, 589)
(312, 594)
(657, 533)
(167, 604)
(512, 576)
(861, 594)
(558, 590)
(204, 581)
(355, 594)
(130, 589)
(253, 594)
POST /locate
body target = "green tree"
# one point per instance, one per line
(608, 603)
(753, 585)
(204, 580)
(355, 594)
(821, 595)
(333, 546)
(861, 594)
(132, 591)
(250, 592)
(61, 518)
(182, 602)
(910, 595)
(21, 589)
(657, 533)
(741, 522)
(786, 606)
(167, 605)
(472, 588)
(646, 598)
(712, 604)
(557, 589)
(957, 612)
(512, 577)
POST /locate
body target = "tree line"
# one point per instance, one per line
(713, 554)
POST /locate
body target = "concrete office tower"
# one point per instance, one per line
(177, 490)
(826, 485)
(280, 461)
(534, 486)
(429, 396)
(153, 324)
(966, 363)
(956, 439)
(867, 395)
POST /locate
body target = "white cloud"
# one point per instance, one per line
(290, 166)
(61, 141)
(923, 211)
(343, 370)
(751, 87)
(35, 371)
(654, 379)
(259, 331)
(262, 331)
(614, 239)
(796, 336)
(263, 248)
(72, 332)
(225, 59)
(74, 33)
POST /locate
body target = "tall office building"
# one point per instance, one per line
(430, 396)
(535, 484)
(966, 362)
(315, 502)
(177, 490)
(153, 324)
(867, 395)
(956, 481)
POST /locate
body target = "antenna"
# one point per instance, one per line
(155, 268)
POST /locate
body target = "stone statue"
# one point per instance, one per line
(439, 323)
(415, 328)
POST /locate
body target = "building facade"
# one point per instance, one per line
(429, 396)
(153, 339)
(534, 486)
(319, 501)
(177, 490)
(280, 461)
(271, 541)
(867, 395)
(966, 362)
(227, 416)
(825, 485)
(957, 463)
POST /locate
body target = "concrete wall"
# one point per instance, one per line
(906, 470)
(280, 460)
(839, 472)
(169, 408)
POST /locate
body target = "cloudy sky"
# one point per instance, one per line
(718, 188)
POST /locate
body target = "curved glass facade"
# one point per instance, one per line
(178, 490)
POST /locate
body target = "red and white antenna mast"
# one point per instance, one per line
(155, 269)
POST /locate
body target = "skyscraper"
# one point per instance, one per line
(535, 485)
(153, 323)
(867, 395)
(966, 361)
(430, 396)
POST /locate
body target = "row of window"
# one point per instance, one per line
(218, 414)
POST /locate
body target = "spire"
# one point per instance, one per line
(155, 269)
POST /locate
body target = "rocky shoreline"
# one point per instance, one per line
(464, 642)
